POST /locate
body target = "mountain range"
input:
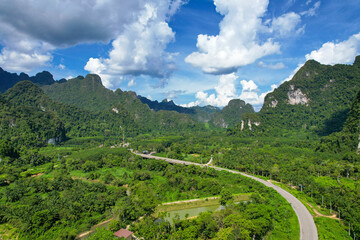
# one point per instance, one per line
(319, 99)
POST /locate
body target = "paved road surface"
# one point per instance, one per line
(308, 229)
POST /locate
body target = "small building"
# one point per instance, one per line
(125, 234)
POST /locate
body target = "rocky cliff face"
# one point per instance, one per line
(296, 96)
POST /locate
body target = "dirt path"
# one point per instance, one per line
(37, 175)
(318, 214)
(92, 229)
(188, 201)
(209, 163)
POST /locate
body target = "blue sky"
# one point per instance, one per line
(195, 52)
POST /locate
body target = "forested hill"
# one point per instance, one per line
(317, 99)
(88, 93)
(24, 124)
(231, 114)
(8, 80)
(349, 138)
(29, 117)
(165, 105)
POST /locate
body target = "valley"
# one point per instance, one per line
(74, 154)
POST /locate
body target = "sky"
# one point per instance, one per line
(194, 52)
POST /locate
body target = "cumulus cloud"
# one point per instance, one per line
(65, 22)
(20, 52)
(226, 91)
(238, 43)
(140, 48)
(18, 62)
(251, 93)
(44, 26)
(334, 53)
(249, 85)
(275, 66)
(286, 24)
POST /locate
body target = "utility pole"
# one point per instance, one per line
(339, 216)
(330, 207)
(349, 229)
(322, 200)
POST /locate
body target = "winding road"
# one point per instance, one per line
(308, 230)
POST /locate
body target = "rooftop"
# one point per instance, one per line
(123, 233)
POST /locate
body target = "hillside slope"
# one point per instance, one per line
(88, 93)
(231, 114)
(317, 99)
(27, 109)
(349, 138)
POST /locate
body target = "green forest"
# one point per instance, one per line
(70, 166)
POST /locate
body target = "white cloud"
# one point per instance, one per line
(238, 42)
(312, 11)
(61, 66)
(66, 23)
(248, 85)
(250, 93)
(140, 48)
(275, 66)
(334, 53)
(286, 24)
(131, 83)
(21, 53)
(61, 24)
(226, 91)
(22, 62)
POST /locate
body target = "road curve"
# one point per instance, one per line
(308, 230)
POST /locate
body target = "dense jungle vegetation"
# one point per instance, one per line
(67, 161)
(58, 192)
